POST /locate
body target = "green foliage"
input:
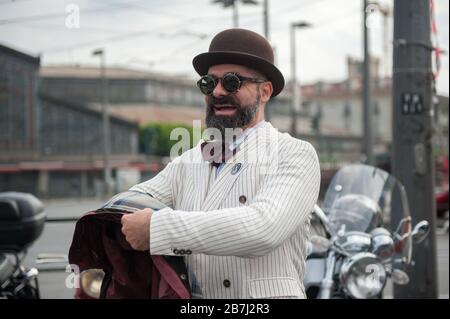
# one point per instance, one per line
(154, 138)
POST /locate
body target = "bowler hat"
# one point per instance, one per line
(243, 47)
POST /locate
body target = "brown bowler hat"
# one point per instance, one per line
(243, 47)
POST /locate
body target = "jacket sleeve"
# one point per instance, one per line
(281, 205)
(164, 185)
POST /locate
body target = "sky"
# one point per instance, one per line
(164, 35)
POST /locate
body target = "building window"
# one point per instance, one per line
(376, 120)
(316, 119)
(347, 115)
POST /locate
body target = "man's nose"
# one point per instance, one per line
(219, 90)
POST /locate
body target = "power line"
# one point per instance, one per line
(47, 16)
(286, 10)
(11, 1)
(174, 52)
(57, 27)
(326, 21)
(301, 6)
(181, 49)
(108, 7)
(116, 38)
(143, 9)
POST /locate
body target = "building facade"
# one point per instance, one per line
(50, 146)
(19, 108)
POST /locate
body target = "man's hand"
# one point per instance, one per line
(136, 228)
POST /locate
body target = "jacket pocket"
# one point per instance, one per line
(277, 287)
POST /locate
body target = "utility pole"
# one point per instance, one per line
(412, 157)
(295, 93)
(266, 18)
(234, 5)
(267, 110)
(367, 147)
(294, 89)
(105, 119)
(235, 15)
(386, 12)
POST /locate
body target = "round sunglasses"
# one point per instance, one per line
(231, 82)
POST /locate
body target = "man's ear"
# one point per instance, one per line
(266, 91)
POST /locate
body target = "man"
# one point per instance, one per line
(241, 221)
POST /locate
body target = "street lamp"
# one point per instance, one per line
(368, 138)
(367, 147)
(106, 130)
(266, 18)
(233, 3)
(295, 94)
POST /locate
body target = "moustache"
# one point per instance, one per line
(225, 100)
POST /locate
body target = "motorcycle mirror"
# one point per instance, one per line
(399, 277)
(420, 231)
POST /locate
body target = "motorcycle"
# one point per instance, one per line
(355, 252)
(22, 219)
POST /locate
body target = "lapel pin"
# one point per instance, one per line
(236, 168)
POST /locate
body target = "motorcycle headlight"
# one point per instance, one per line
(91, 282)
(363, 276)
(382, 243)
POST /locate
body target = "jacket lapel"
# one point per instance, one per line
(201, 174)
(231, 170)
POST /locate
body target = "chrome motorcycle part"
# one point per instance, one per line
(400, 277)
(91, 282)
(327, 283)
(363, 276)
(382, 243)
(420, 231)
(355, 241)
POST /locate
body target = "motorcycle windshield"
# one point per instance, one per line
(362, 197)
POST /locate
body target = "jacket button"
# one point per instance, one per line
(183, 276)
(175, 251)
(182, 251)
(242, 199)
(188, 251)
(226, 283)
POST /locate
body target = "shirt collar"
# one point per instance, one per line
(244, 135)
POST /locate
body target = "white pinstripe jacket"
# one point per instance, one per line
(245, 236)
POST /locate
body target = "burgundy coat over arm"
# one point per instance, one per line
(98, 243)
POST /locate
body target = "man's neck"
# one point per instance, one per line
(253, 123)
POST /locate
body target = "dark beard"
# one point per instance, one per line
(243, 116)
